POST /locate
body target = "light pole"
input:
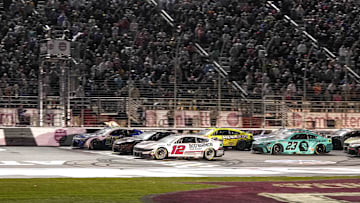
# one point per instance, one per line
(176, 67)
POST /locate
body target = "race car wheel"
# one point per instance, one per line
(94, 144)
(320, 149)
(241, 145)
(277, 149)
(209, 154)
(161, 153)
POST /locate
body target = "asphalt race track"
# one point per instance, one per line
(45, 162)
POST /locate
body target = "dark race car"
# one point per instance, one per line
(340, 136)
(354, 149)
(105, 141)
(126, 145)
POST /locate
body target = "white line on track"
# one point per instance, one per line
(173, 172)
(173, 163)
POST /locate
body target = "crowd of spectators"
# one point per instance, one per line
(124, 46)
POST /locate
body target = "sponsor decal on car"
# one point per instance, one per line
(234, 136)
(200, 146)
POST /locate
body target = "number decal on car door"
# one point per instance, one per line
(291, 146)
(178, 149)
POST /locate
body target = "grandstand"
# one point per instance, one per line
(180, 63)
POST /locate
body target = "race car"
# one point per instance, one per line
(126, 145)
(349, 142)
(354, 148)
(180, 146)
(106, 141)
(79, 140)
(102, 139)
(230, 137)
(293, 142)
(340, 136)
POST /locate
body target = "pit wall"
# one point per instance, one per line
(42, 136)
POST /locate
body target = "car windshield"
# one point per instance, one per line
(281, 134)
(167, 139)
(102, 131)
(145, 135)
(205, 132)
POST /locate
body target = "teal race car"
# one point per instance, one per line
(293, 142)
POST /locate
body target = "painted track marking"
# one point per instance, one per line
(173, 163)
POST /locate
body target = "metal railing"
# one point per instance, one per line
(271, 112)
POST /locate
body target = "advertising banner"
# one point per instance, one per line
(324, 120)
(165, 118)
(229, 119)
(9, 117)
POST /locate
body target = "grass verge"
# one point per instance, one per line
(95, 190)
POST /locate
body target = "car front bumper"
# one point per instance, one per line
(143, 153)
(77, 143)
(259, 148)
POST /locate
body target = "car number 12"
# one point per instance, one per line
(178, 149)
(291, 145)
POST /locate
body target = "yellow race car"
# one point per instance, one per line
(230, 137)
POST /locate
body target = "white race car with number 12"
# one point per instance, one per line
(180, 146)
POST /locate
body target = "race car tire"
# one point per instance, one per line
(93, 144)
(160, 153)
(277, 149)
(241, 145)
(320, 149)
(209, 154)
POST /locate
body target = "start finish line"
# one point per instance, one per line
(102, 172)
(31, 163)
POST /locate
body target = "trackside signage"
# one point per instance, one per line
(300, 192)
(320, 120)
(165, 118)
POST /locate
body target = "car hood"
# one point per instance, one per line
(147, 144)
(259, 137)
(355, 144)
(352, 140)
(85, 135)
(265, 139)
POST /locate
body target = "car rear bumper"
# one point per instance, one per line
(77, 144)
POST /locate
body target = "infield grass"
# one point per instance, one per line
(55, 190)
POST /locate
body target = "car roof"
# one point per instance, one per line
(189, 135)
(226, 129)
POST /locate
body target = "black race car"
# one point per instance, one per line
(126, 145)
(338, 137)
